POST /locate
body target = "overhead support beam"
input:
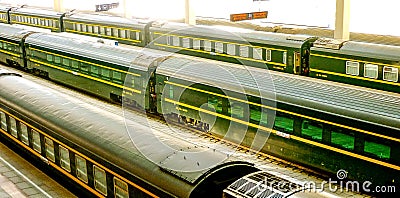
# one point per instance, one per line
(59, 6)
(190, 17)
(127, 10)
(342, 20)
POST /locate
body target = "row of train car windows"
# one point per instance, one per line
(108, 31)
(22, 132)
(232, 49)
(43, 22)
(372, 71)
(9, 47)
(309, 129)
(337, 137)
(3, 17)
(85, 68)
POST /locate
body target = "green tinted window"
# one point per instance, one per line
(57, 59)
(258, 116)
(342, 140)
(236, 110)
(283, 123)
(117, 76)
(216, 103)
(94, 70)
(311, 129)
(105, 73)
(75, 65)
(49, 58)
(380, 150)
(65, 62)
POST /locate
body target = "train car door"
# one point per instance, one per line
(297, 63)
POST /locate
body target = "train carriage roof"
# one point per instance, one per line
(37, 12)
(4, 8)
(107, 20)
(234, 34)
(112, 54)
(12, 32)
(369, 50)
(105, 135)
(341, 100)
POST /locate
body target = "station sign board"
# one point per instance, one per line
(248, 16)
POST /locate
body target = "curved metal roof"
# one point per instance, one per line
(333, 98)
(105, 134)
(37, 12)
(12, 32)
(104, 19)
(368, 50)
(111, 54)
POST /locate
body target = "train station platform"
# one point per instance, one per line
(19, 179)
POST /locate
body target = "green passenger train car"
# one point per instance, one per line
(11, 41)
(368, 65)
(46, 19)
(106, 71)
(281, 52)
(123, 30)
(297, 124)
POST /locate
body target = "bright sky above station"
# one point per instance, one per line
(368, 16)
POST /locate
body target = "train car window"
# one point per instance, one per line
(94, 70)
(3, 120)
(13, 127)
(377, 149)
(65, 62)
(81, 169)
(117, 76)
(115, 32)
(89, 28)
(105, 73)
(102, 30)
(207, 45)
(196, 44)
(78, 27)
(175, 41)
(36, 141)
(186, 42)
(257, 53)
(283, 123)
(121, 33)
(1, 45)
(46, 22)
(57, 59)
(84, 28)
(108, 31)
(311, 130)
(100, 182)
(64, 158)
(341, 139)
(120, 188)
(171, 91)
(371, 71)
(390, 73)
(75, 65)
(49, 147)
(49, 57)
(215, 102)
(284, 58)
(96, 29)
(51, 23)
(137, 34)
(258, 116)
(219, 47)
(236, 110)
(352, 68)
(244, 51)
(24, 133)
(231, 49)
